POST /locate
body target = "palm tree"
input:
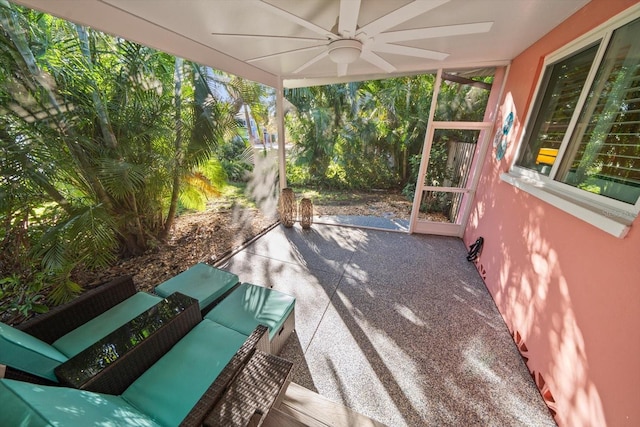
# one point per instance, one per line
(102, 139)
(250, 98)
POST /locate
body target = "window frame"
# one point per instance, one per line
(610, 215)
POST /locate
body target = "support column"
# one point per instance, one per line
(282, 159)
(426, 150)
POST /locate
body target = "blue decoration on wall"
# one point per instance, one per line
(500, 140)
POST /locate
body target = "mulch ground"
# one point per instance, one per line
(211, 235)
(197, 237)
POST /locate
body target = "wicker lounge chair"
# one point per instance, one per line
(240, 307)
(187, 371)
(240, 393)
(249, 305)
(32, 350)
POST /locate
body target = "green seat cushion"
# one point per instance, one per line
(202, 282)
(25, 404)
(250, 305)
(29, 354)
(174, 384)
(101, 326)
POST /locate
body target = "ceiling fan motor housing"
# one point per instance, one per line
(345, 51)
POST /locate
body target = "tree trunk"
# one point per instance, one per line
(247, 118)
(179, 153)
(9, 23)
(404, 164)
(103, 116)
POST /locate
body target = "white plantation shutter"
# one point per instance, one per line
(602, 153)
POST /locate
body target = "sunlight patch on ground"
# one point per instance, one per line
(408, 314)
(396, 360)
(403, 368)
(479, 361)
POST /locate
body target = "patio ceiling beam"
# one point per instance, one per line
(290, 82)
(465, 81)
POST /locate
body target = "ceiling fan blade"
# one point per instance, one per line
(398, 16)
(342, 69)
(377, 61)
(297, 20)
(273, 55)
(311, 62)
(348, 21)
(432, 32)
(410, 51)
(266, 36)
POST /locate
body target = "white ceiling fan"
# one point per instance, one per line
(347, 42)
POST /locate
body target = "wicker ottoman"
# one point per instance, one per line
(250, 305)
(207, 284)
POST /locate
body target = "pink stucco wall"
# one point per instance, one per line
(569, 292)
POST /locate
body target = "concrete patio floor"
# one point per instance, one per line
(398, 327)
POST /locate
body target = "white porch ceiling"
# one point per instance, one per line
(270, 41)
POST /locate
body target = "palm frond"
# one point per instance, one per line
(121, 178)
(86, 237)
(95, 237)
(63, 291)
(215, 174)
(199, 181)
(191, 198)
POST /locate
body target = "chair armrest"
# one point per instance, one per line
(16, 374)
(61, 320)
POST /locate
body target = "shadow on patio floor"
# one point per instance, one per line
(398, 327)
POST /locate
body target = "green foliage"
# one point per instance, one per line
(236, 158)
(365, 135)
(437, 202)
(215, 174)
(19, 300)
(458, 102)
(202, 184)
(124, 134)
(359, 135)
(86, 237)
(437, 172)
(63, 290)
(298, 174)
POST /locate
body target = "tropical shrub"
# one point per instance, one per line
(236, 158)
(103, 142)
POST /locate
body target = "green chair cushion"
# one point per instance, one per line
(25, 404)
(173, 385)
(250, 305)
(101, 326)
(27, 353)
(202, 282)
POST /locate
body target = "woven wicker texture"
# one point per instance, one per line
(253, 392)
(61, 320)
(287, 207)
(16, 374)
(306, 213)
(216, 391)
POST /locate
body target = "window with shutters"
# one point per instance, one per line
(582, 136)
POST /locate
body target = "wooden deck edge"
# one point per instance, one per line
(276, 418)
(311, 409)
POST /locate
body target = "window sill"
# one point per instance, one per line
(613, 221)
